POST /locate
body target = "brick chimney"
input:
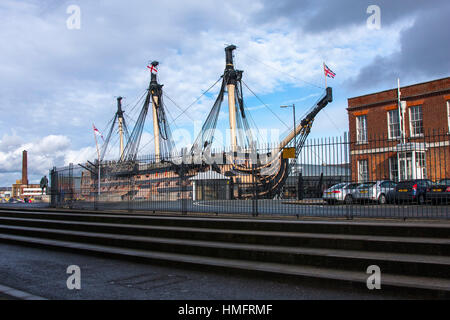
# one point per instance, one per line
(24, 167)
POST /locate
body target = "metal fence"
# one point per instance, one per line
(371, 177)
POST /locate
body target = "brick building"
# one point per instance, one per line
(407, 142)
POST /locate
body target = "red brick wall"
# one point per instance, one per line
(432, 96)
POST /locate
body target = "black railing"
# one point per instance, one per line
(370, 179)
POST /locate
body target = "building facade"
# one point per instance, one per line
(400, 140)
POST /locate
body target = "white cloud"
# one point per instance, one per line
(43, 154)
(56, 82)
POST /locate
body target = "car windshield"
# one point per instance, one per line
(406, 184)
(338, 186)
(366, 185)
(444, 181)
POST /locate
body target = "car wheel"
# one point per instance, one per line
(348, 199)
(382, 199)
(421, 199)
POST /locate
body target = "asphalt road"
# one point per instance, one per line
(280, 207)
(273, 208)
(43, 273)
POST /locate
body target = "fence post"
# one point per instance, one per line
(255, 193)
(53, 188)
(348, 159)
(183, 191)
(96, 199)
(300, 186)
(130, 190)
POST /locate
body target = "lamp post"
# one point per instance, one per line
(295, 127)
(295, 136)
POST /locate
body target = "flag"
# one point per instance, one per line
(152, 68)
(97, 132)
(328, 72)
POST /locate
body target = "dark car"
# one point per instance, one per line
(411, 191)
(440, 192)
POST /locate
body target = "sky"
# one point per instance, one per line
(63, 63)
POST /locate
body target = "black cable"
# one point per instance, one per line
(265, 105)
(195, 101)
(271, 67)
(205, 92)
(176, 105)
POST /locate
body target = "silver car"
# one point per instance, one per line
(374, 191)
(342, 192)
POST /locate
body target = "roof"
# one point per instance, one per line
(402, 87)
(410, 92)
(209, 175)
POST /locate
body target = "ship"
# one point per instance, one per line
(170, 174)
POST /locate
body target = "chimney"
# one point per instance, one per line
(24, 167)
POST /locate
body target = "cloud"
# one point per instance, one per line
(56, 82)
(329, 15)
(43, 154)
(423, 54)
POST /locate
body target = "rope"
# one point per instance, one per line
(265, 105)
(271, 67)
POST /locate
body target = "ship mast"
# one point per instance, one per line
(231, 85)
(155, 89)
(120, 121)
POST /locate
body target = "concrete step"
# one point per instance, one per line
(352, 260)
(427, 246)
(435, 286)
(378, 228)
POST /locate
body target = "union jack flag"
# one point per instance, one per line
(328, 71)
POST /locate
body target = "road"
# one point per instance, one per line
(274, 208)
(43, 273)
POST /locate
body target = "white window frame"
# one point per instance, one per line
(358, 131)
(393, 161)
(421, 159)
(389, 124)
(411, 129)
(361, 176)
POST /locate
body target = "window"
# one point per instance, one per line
(363, 170)
(393, 168)
(393, 124)
(416, 122)
(420, 159)
(361, 129)
(405, 166)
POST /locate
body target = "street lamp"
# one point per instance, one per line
(300, 189)
(295, 128)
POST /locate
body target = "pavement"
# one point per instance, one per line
(43, 273)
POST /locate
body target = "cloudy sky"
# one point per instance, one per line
(56, 81)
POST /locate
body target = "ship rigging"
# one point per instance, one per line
(267, 171)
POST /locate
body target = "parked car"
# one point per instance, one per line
(341, 192)
(440, 192)
(412, 191)
(374, 191)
